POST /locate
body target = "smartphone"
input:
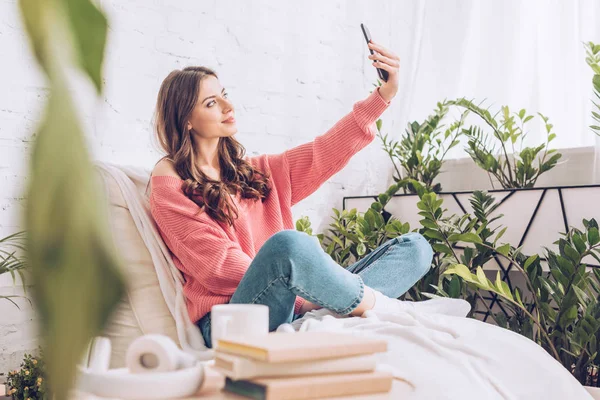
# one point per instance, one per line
(383, 74)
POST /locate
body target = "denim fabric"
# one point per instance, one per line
(292, 263)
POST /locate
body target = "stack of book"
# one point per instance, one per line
(303, 365)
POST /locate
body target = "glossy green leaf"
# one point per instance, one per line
(75, 269)
(361, 249)
(441, 248)
(593, 236)
(504, 249)
(579, 243)
(530, 261)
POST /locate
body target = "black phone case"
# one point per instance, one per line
(383, 74)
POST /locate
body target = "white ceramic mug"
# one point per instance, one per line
(238, 319)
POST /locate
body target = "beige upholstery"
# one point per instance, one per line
(143, 309)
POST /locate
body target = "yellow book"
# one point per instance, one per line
(278, 347)
(238, 367)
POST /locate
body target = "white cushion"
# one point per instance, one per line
(143, 309)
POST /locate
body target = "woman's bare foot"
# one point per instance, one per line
(367, 302)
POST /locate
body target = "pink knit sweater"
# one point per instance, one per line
(212, 256)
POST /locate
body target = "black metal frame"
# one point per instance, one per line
(505, 270)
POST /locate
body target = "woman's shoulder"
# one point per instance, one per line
(163, 175)
(165, 167)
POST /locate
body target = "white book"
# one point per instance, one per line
(237, 367)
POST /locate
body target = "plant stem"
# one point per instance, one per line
(504, 180)
(540, 163)
(487, 307)
(541, 328)
(535, 302)
(518, 267)
(385, 147)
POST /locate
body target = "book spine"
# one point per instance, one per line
(371, 385)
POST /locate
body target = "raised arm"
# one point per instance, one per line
(310, 164)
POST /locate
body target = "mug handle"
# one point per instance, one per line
(221, 324)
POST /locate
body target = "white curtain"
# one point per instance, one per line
(524, 54)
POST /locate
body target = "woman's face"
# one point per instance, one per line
(212, 109)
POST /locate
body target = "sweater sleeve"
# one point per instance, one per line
(311, 164)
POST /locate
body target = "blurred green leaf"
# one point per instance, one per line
(75, 269)
(74, 266)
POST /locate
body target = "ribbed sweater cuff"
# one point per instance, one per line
(368, 110)
(298, 304)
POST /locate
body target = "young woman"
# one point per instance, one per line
(227, 218)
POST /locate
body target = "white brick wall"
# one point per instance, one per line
(292, 70)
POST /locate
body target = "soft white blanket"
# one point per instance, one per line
(446, 356)
(132, 181)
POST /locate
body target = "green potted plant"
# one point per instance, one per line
(499, 149)
(593, 60)
(422, 150)
(353, 235)
(29, 381)
(562, 304)
(13, 261)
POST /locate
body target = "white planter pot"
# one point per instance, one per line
(595, 392)
(534, 217)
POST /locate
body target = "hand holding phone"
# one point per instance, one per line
(383, 74)
(387, 64)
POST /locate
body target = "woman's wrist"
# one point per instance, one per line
(386, 93)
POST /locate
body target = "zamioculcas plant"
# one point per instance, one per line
(353, 235)
(421, 152)
(501, 152)
(470, 239)
(563, 304)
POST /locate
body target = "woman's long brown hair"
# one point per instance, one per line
(176, 99)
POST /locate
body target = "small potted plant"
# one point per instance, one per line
(28, 383)
(13, 260)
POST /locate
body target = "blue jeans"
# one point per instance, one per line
(292, 263)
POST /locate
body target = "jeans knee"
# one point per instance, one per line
(288, 243)
(420, 251)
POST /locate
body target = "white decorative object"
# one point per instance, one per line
(120, 383)
(99, 358)
(238, 319)
(158, 369)
(131, 182)
(156, 353)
